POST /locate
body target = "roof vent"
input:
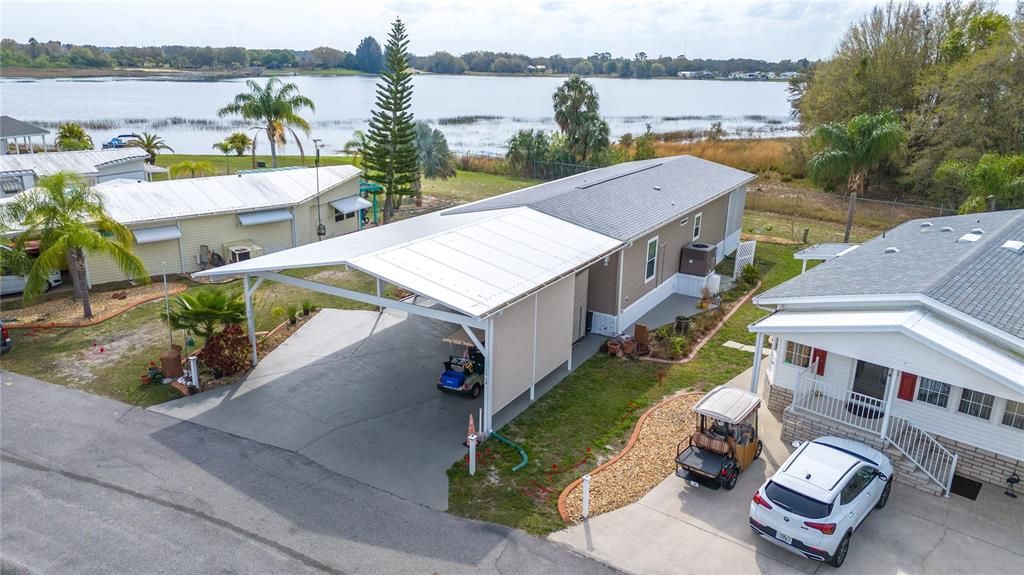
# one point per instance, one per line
(968, 238)
(892, 250)
(926, 224)
(657, 188)
(946, 229)
(978, 231)
(1015, 246)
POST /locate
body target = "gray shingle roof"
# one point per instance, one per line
(980, 279)
(12, 128)
(625, 200)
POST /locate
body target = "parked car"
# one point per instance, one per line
(5, 338)
(13, 283)
(815, 502)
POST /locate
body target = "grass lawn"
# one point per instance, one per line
(235, 163)
(594, 408)
(472, 186)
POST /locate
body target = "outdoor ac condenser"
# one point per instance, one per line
(697, 260)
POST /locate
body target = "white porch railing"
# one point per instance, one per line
(838, 403)
(937, 462)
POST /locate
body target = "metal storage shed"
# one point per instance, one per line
(509, 272)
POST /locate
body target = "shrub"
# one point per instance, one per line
(750, 274)
(677, 344)
(227, 352)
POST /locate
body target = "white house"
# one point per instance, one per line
(20, 172)
(183, 226)
(913, 342)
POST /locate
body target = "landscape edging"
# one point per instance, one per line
(177, 290)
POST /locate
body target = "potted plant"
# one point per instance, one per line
(613, 347)
(628, 346)
(293, 313)
(307, 307)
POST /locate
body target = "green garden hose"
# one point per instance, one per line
(522, 452)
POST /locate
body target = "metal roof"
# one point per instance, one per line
(14, 128)
(919, 324)
(824, 251)
(84, 162)
(980, 279)
(472, 263)
(131, 203)
(728, 404)
(625, 200)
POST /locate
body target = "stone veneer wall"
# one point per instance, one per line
(982, 465)
(779, 398)
(802, 426)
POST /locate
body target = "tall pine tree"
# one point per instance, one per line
(391, 159)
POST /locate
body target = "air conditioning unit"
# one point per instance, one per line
(240, 254)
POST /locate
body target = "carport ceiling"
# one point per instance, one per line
(475, 263)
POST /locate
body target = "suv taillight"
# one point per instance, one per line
(826, 528)
(762, 501)
(3, 332)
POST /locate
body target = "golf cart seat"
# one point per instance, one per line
(707, 442)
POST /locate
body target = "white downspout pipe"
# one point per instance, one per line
(249, 319)
(488, 418)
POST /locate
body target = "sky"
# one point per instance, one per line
(767, 30)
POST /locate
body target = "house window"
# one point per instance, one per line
(1014, 414)
(798, 354)
(976, 403)
(697, 220)
(652, 259)
(11, 185)
(340, 216)
(933, 392)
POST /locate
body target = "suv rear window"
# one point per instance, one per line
(796, 503)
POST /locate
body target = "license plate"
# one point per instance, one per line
(695, 484)
(784, 538)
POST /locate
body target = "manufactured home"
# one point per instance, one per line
(912, 342)
(184, 226)
(19, 172)
(528, 273)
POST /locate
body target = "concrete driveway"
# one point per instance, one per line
(677, 529)
(355, 392)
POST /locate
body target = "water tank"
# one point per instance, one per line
(697, 260)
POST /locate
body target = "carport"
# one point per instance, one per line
(509, 273)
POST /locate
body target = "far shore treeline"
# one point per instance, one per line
(367, 57)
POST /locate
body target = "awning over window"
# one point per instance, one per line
(153, 235)
(264, 217)
(350, 204)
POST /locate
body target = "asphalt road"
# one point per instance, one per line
(90, 485)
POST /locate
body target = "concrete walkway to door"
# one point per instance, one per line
(355, 392)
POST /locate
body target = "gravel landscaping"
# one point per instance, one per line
(650, 460)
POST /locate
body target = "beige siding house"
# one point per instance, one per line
(183, 226)
(20, 172)
(659, 209)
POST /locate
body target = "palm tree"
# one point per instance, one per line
(239, 143)
(576, 113)
(203, 311)
(355, 146)
(224, 148)
(151, 144)
(71, 136)
(193, 168)
(276, 104)
(436, 159)
(68, 219)
(996, 176)
(850, 149)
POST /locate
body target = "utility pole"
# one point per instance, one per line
(321, 230)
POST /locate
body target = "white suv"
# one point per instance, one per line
(820, 495)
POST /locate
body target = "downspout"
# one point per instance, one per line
(181, 249)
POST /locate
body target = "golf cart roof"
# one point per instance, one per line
(728, 404)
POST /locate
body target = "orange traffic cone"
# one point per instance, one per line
(472, 428)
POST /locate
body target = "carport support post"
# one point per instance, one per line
(487, 423)
(250, 321)
(758, 352)
(586, 497)
(472, 454)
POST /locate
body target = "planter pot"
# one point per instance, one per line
(293, 321)
(613, 347)
(305, 312)
(628, 347)
(144, 379)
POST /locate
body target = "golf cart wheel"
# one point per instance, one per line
(757, 451)
(728, 481)
(474, 391)
(840, 555)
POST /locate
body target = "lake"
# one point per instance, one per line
(478, 114)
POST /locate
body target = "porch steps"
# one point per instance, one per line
(907, 472)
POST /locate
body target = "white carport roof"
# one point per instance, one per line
(474, 263)
(921, 325)
(824, 251)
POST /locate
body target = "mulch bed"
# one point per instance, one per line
(67, 311)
